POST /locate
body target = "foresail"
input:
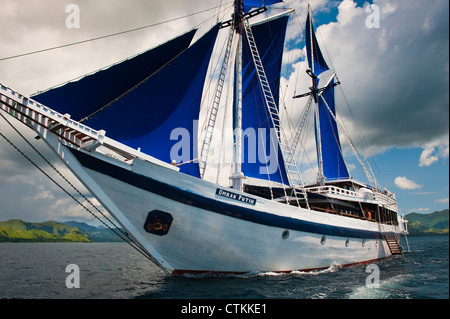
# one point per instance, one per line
(93, 92)
(266, 161)
(316, 60)
(160, 115)
(333, 164)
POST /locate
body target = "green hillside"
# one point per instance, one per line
(428, 224)
(16, 230)
(95, 234)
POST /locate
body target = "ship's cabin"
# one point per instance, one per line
(343, 197)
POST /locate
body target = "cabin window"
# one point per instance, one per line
(347, 242)
(285, 234)
(323, 240)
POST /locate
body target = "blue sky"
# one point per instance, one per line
(425, 189)
(428, 190)
(395, 79)
(330, 11)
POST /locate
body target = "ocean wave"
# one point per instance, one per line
(387, 289)
(252, 274)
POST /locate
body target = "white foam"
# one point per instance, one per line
(387, 289)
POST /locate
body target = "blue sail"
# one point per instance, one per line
(248, 4)
(266, 161)
(151, 115)
(333, 164)
(166, 103)
(316, 60)
(89, 94)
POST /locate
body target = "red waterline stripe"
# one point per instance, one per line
(182, 272)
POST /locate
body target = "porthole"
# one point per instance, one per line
(323, 240)
(363, 242)
(285, 234)
(347, 242)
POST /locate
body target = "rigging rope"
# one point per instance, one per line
(296, 29)
(104, 36)
(88, 117)
(123, 235)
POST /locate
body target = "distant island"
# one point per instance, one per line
(428, 224)
(16, 230)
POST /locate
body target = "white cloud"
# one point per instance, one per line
(434, 150)
(388, 7)
(442, 200)
(347, 11)
(427, 158)
(404, 183)
(419, 210)
(426, 26)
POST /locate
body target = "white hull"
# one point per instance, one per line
(222, 240)
(209, 231)
(186, 224)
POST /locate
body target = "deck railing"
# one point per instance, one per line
(334, 190)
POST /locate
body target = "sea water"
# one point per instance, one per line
(115, 270)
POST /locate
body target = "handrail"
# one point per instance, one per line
(330, 189)
(43, 118)
(47, 112)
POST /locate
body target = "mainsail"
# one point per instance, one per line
(256, 123)
(329, 153)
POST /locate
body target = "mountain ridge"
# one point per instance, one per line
(17, 230)
(436, 223)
